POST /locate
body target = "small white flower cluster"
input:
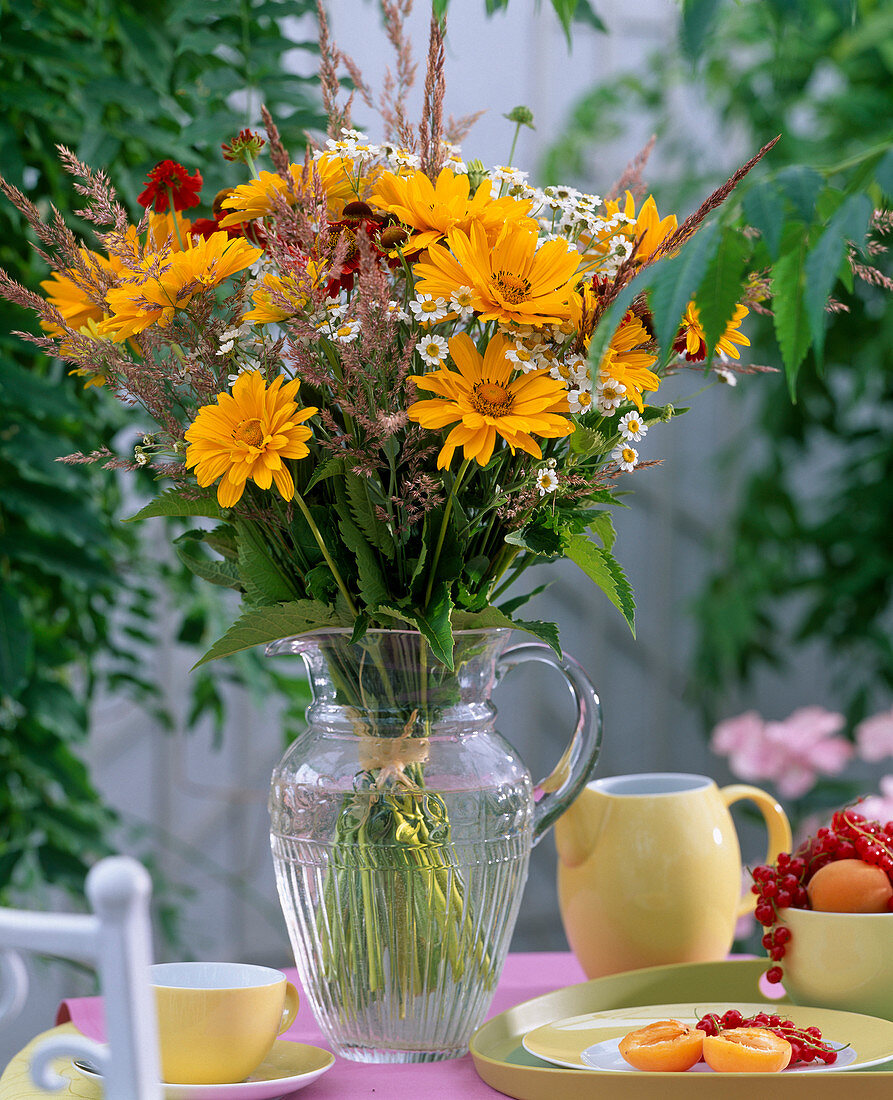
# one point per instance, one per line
(354, 145)
(240, 345)
(632, 428)
(546, 478)
(433, 350)
(428, 309)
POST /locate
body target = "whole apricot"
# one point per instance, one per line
(849, 886)
(667, 1046)
(747, 1050)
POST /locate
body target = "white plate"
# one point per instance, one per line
(287, 1068)
(590, 1041)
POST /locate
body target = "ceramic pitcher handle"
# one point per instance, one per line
(776, 822)
(554, 794)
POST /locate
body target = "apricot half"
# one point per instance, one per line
(666, 1046)
(746, 1050)
(849, 886)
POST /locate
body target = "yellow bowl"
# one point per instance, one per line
(840, 960)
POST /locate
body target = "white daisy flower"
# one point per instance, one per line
(401, 158)
(579, 401)
(525, 359)
(726, 376)
(625, 456)
(506, 174)
(231, 378)
(562, 371)
(460, 302)
(546, 480)
(427, 308)
(396, 310)
(432, 349)
(632, 426)
(551, 463)
(609, 396)
(347, 331)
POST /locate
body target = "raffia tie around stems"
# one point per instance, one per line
(390, 756)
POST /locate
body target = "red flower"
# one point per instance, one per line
(171, 180)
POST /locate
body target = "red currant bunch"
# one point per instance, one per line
(806, 1043)
(782, 885)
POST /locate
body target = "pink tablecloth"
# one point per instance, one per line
(524, 976)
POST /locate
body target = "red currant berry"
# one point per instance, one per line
(774, 975)
(783, 899)
(782, 935)
(732, 1018)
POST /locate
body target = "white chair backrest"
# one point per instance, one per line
(116, 939)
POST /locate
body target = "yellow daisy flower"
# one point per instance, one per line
(64, 291)
(432, 210)
(257, 198)
(647, 224)
(510, 281)
(247, 434)
(626, 362)
(181, 275)
(691, 343)
(293, 288)
(487, 402)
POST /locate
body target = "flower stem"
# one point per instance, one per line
(443, 528)
(170, 199)
(320, 542)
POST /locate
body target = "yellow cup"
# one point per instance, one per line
(218, 1021)
(649, 869)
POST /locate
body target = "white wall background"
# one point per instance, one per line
(206, 805)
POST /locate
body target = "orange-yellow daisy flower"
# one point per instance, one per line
(432, 210)
(691, 343)
(278, 297)
(65, 291)
(627, 362)
(510, 281)
(248, 434)
(647, 224)
(258, 197)
(178, 278)
(487, 402)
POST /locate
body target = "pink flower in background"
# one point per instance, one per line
(879, 807)
(874, 736)
(792, 754)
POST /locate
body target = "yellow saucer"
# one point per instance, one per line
(589, 1041)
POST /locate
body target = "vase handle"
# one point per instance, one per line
(555, 793)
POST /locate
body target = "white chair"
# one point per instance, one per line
(116, 939)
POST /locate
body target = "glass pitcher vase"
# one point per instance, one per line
(402, 825)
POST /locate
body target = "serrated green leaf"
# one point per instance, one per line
(508, 607)
(363, 495)
(677, 279)
(849, 223)
(585, 441)
(330, 468)
(261, 577)
(434, 622)
(801, 186)
(261, 625)
(764, 211)
(172, 503)
(788, 305)
(224, 573)
(492, 618)
(601, 567)
(720, 289)
(602, 525)
(370, 579)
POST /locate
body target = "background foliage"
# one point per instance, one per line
(126, 85)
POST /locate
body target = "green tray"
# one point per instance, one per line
(503, 1063)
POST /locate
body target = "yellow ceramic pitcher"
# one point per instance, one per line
(649, 869)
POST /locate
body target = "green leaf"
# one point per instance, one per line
(261, 577)
(601, 567)
(677, 279)
(363, 494)
(261, 625)
(330, 468)
(434, 623)
(884, 174)
(224, 573)
(801, 186)
(788, 305)
(585, 441)
(16, 645)
(370, 579)
(764, 211)
(698, 18)
(172, 503)
(849, 223)
(720, 289)
(492, 618)
(602, 526)
(508, 607)
(536, 538)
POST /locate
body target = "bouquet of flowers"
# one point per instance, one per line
(393, 381)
